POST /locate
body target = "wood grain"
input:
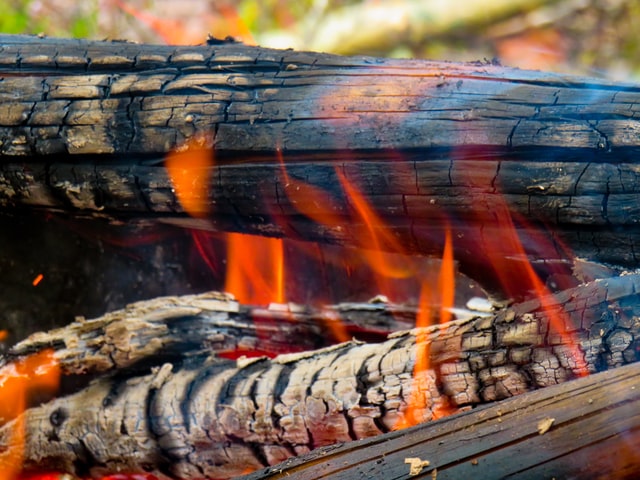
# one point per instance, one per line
(160, 400)
(431, 146)
(594, 431)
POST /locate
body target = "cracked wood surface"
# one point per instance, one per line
(204, 416)
(594, 430)
(431, 146)
(170, 327)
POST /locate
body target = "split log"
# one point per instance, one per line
(431, 146)
(195, 416)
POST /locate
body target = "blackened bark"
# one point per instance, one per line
(587, 428)
(431, 146)
(196, 416)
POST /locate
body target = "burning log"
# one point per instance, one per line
(587, 428)
(504, 167)
(186, 413)
(430, 147)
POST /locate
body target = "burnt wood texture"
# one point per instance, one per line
(474, 149)
(430, 146)
(588, 428)
(161, 402)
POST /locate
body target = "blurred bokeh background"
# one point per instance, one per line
(588, 37)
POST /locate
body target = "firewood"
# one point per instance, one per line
(201, 416)
(164, 328)
(593, 429)
(431, 146)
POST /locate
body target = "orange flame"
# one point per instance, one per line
(377, 236)
(255, 269)
(189, 169)
(512, 273)
(416, 408)
(35, 373)
(446, 280)
(309, 200)
(382, 251)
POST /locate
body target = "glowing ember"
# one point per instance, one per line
(45, 476)
(131, 476)
(37, 280)
(35, 374)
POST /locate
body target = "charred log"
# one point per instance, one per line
(168, 328)
(203, 416)
(587, 428)
(431, 146)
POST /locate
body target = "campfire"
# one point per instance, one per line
(392, 251)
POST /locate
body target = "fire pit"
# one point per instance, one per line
(400, 243)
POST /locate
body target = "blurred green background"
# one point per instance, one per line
(591, 37)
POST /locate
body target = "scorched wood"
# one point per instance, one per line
(171, 327)
(431, 146)
(585, 429)
(201, 416)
